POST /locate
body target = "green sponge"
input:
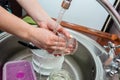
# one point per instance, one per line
(29, 20)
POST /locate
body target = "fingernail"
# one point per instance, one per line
(57, 55)
(50, 51)
(71, 36)
(60, 54)
(68, 51)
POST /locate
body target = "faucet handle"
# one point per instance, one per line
(114, 67)
(110, 45)
(111, 53)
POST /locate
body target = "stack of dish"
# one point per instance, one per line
(45, 63)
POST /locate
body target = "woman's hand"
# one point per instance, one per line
(46, 39)
(40, 16)
(52, 26)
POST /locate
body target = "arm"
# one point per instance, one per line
(35, 10)
(39, 36)
(40, 16)
(13, 24)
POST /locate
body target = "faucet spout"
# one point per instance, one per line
(66, 4)
(111, 10)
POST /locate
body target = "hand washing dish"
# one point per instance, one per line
(18, 70)
(71, 46)
(46, 62)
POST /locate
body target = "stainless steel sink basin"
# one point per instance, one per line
(85, 64)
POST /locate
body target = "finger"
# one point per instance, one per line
(63, 31)
(67, 34)
(57, 48)
(53, 52)
(57, 55)
(43, 25)
(59, 44)
(50, 51)
(59, 39)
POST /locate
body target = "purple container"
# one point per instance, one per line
(18, 70)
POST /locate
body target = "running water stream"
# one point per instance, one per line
(65, 5)
(59, 19)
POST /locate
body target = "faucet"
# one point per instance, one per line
(112, 64)
(112, 11)
(66, 4)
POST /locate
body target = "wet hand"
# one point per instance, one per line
(46, 39)
(51, 25)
